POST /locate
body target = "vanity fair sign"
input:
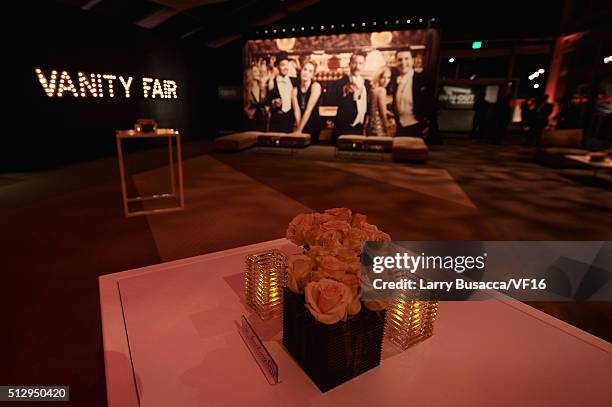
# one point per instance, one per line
(56, 84)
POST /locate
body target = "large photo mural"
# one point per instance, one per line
(373, 84)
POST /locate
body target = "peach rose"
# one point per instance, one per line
(317, 252)
(328, 238)
(336, 225)
(369, 230)
(355, 306)
(310, 235)
(331, 267)
(353, 240)
(344, 214)
(347, 255)
(381, 236)
(300, 226)
(354, 268)
(353, 282)
(328, 300)
(358, 219)
(323, 217)
(299, 272)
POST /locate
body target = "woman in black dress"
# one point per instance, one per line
(305, 101)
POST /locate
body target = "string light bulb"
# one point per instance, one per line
(126, 85)
(48, 86)
(66, 84)
(87, 85)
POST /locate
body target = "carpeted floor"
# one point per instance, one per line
(61, 229)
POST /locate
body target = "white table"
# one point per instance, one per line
(171, 339)
(170, 134)
(594, 165)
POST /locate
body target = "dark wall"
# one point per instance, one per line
(228, 72)
(68, 129)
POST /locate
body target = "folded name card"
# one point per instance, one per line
(260, 353)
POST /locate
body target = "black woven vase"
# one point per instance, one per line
(331, 354)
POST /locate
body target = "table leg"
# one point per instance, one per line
(180, 170)
(171, 161)
(122, 176)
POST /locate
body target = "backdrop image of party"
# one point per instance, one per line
(372, 84)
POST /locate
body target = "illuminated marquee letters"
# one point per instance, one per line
(97, 85)
(168, 91)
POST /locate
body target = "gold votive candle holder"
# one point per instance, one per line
(409, 321)
(264, 281)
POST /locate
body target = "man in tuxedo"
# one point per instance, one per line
(351, 94)
(278, 98)
(412, 102)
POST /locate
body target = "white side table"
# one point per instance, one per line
(170, 134)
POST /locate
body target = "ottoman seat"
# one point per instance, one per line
(351, 142)
(236, 141)
(283, 139)
(378, 143)
(409, 149)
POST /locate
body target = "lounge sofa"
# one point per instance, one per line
(378, 143)
(556, 144)
(236, 141)
(351, 142)
(409, 149)
(243, 140)
(401, 148)
(283, 139)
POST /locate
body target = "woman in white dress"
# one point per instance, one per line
(378, 125)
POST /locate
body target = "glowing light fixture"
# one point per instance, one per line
(285, 44)
(97, 84)
(264, 280)
(408, 322)
(476, 44)
(381, 39)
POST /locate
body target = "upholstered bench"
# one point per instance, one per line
(556, 144)
(378, 143)
(351, 142)
(409, 149)
(283, 139)
(236, 141)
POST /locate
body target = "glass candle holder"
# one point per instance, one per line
(264, 280)
(408, 321)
